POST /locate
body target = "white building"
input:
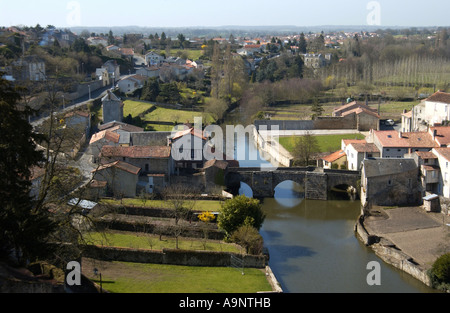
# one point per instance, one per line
(131, 83)
(153, 58)
(431, 111)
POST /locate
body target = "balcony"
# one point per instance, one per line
(430, 173)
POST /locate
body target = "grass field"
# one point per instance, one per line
(191, 53)
(123, 277)
(179, 116)
(327, 143)
(147, 241)
(200, 205)
(135, 108)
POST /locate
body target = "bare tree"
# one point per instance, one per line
(182, 199)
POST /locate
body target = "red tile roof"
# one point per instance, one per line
(426, 155)
(334, 156)
(444, 152)
(107, 134)
(442, 136)
(391, 138)
(361, 110)
(127, 167)
(439, 97)
(365, 147)
(350, 141)
(137, 152)
(191, 131)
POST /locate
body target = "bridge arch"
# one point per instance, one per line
(289, 193)
(246, 190)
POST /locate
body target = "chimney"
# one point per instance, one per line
(434, 134)
(400, 134)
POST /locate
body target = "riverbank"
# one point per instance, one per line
(409, 238)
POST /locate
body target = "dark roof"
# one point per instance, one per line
(383, 167)
(136, 152)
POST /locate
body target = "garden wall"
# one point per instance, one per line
(172, 257)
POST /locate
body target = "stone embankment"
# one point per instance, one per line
(391, 254)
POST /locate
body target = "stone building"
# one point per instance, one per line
(150, 159)
(112, 108)
(121, 178)
(390, 182)
(29, 68)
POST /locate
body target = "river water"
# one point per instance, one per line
(313, 247)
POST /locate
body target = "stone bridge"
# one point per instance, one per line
(316, 182)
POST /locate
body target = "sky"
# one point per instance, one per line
(212, 13)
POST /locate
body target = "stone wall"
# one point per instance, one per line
(272, 150)
(172, 257)
(390, 254)
(326, 122)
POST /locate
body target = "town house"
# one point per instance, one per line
(432, 111)
(155, 164)
(121, 178)
(187, 149)
(395, 144)
(131, 83)
(153, 59)
(358, 151)
(150, 159)
(29, 68)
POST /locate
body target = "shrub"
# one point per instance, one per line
(440, 272)
(249, 238)
(239, 211)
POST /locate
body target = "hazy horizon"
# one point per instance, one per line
(232, 13)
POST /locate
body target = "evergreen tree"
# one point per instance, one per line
(317, 108)
(24, 226)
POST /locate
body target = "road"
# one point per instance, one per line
(37, 120)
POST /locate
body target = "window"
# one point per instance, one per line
(389, 182)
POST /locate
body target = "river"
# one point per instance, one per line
(313, 247)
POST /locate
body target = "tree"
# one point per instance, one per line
(317, 108)
(240, 211)
(249, 238)
(181, 199)
(151, 90)
(181, 40)
(305, 148)
(111, 39)
(217, 108)
(302, 45)
(25, 226)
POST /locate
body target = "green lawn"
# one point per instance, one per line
(135, 108)
(123, 277)
(179, 116)
(152, 242)
(200, 205)
(191, 53)
(327, 143)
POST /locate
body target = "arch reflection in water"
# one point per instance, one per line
(289, 194)
(246, 190)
